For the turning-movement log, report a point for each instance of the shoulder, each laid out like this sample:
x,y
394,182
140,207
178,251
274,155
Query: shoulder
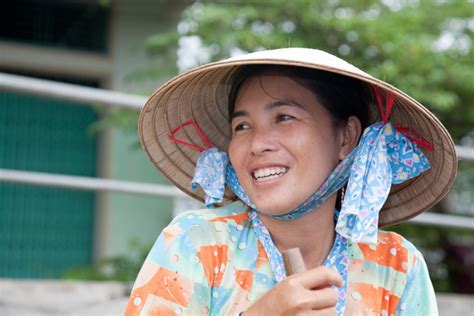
x,y
391,251
380,274
231,214
189,257
234,210
196,228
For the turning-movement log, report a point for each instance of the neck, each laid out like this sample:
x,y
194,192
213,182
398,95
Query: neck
x,y
313,233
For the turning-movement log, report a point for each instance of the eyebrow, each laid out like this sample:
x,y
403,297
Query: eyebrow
x,y
238,114
286,102
269,106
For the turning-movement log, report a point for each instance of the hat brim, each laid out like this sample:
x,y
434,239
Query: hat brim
x,y
202,95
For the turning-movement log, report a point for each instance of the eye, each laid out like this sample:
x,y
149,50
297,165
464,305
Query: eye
x,y
240,127
284,117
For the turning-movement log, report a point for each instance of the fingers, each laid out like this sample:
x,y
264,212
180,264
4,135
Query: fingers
x,y
322,299
325,312
301,293
313,290
319,277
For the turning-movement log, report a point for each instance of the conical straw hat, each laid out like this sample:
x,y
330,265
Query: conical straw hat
x,y
201,94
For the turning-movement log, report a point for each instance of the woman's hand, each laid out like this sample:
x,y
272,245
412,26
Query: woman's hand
x,y
305,293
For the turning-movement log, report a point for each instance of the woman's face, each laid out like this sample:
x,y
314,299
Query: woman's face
x,y
284,143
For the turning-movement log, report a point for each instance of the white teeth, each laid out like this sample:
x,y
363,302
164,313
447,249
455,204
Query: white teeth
x,y
269,173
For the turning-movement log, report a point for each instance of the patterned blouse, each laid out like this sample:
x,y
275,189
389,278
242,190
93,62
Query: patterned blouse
x,y
210,262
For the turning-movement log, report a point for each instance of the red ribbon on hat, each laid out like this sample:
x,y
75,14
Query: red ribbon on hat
x,y
409,133
200,133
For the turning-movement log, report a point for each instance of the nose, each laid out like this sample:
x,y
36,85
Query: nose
x,y
262,141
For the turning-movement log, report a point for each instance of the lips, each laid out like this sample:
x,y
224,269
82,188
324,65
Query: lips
x,y
269,173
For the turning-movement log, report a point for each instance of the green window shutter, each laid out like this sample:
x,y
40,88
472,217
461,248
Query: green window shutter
x,y
78,25
45,231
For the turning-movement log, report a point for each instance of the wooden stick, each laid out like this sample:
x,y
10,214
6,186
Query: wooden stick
x,y
293,261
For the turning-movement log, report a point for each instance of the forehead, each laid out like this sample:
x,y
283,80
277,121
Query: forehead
x,y
273,84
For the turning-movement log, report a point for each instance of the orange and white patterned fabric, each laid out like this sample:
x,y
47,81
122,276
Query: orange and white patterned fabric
x,y
210,262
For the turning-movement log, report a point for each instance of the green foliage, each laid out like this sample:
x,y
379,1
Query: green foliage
x,y
462,189
104,3
124,119
422,47
117,268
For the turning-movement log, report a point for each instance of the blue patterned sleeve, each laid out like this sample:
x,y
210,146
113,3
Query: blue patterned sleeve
x,y
418,297
171,280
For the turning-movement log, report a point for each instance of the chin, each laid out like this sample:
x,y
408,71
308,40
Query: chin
x,y
274,207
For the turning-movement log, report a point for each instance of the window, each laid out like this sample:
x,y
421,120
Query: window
x,y
67,24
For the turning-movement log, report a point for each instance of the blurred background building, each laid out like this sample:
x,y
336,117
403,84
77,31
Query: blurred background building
x,y
46,231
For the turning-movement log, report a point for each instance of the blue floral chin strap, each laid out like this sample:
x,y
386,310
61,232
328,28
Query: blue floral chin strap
x,y
385,156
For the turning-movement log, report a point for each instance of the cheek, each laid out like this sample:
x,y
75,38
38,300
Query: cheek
x,y
315,150
234,154
237,158
304,143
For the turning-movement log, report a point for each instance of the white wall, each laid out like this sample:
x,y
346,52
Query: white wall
x,y
122,218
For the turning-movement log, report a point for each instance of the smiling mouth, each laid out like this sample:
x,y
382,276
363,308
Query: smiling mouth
x,y
266,174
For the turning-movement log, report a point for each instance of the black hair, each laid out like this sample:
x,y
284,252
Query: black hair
x,y
340,95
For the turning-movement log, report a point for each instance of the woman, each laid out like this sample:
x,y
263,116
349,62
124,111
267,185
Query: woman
x,y
279,134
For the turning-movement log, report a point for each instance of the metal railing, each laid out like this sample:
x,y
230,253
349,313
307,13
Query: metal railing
x,y
107,185
88,96
69,92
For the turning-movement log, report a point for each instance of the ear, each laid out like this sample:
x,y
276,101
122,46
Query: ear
x,y
350,136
